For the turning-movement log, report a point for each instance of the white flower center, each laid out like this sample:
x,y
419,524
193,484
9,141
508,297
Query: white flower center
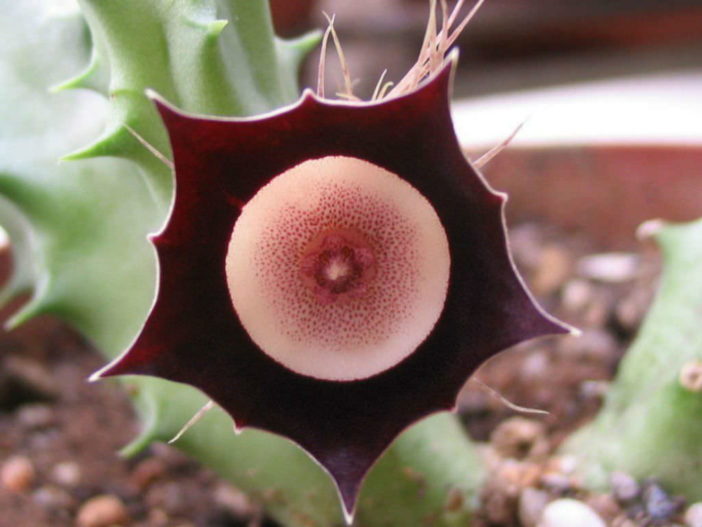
x,y
338,269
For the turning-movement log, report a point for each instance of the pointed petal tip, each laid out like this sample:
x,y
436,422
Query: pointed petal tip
x,y
503,197
554,326
162,105
348,515
101,374
448,68
572,331
95,376
451,60
348,499
112,369
542,324
309,96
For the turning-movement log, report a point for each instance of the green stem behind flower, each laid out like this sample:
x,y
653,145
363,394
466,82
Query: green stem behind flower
x,y
651,422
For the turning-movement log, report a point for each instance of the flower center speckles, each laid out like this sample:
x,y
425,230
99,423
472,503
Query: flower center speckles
x,y
338,269
338,264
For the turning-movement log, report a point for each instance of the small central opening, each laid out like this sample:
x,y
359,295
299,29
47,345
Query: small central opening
x,y
339,267
337,263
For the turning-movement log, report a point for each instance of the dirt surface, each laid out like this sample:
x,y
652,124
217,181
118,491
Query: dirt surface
x,y
69,430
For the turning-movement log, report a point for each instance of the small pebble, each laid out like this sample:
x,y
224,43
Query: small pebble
x,y
170,496
52,498
234,501
659,506
576,295
630,310
513,475
569,513
535,366
594,389
605,506
693,515
568,464
35,416
147,471
592,344
44,440
565,464
499,507
624,487
66,473
598,310
531,505
552,271
519,438
17,474
610,267
106,510
157,518
526,242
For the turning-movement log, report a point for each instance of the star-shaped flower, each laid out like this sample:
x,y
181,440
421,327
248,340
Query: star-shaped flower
x,y
331,272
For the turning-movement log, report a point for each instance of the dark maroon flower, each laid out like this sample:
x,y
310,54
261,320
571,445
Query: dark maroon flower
x,y
364,279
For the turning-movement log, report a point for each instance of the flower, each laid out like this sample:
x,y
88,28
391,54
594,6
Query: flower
x,y
288,227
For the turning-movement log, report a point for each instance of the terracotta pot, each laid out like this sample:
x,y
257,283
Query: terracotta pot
x,y
605,191
291,16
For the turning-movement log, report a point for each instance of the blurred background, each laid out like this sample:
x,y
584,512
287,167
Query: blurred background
x,y
512,44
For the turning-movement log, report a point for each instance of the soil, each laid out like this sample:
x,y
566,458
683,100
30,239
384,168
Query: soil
x,y
46,405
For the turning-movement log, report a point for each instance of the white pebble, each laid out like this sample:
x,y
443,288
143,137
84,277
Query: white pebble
x,y
610,267
693,515
625,487
569,513
66,473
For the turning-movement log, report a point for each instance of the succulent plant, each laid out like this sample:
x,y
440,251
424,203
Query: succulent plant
x,y
650,425
409,239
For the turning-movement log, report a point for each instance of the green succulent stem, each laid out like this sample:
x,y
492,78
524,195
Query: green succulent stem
x,y
651,421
